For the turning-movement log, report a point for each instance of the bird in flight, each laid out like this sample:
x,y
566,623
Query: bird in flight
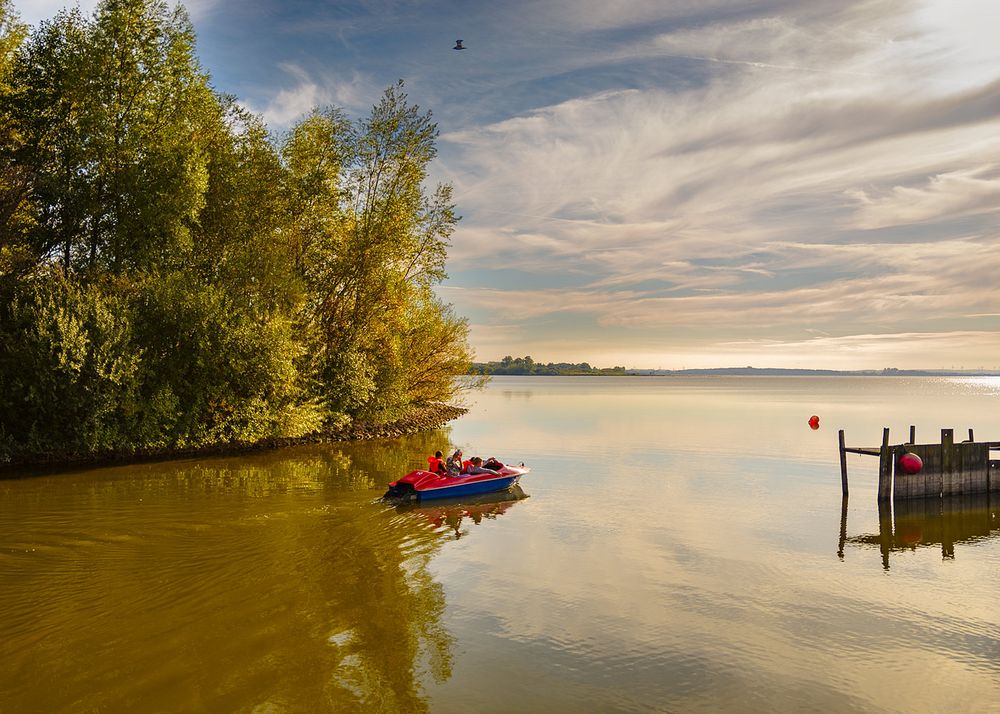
x,y
458,45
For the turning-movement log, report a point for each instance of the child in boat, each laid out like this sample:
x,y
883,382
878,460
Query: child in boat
x,y
436,464
454,467
478,468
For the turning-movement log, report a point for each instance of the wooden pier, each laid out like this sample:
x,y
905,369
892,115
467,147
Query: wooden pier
x,y
949,468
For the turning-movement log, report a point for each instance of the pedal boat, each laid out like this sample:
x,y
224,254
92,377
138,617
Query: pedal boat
x,y
427,485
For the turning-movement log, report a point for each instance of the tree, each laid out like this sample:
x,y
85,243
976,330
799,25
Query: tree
x,y
16,216
169,277
371,243
112,108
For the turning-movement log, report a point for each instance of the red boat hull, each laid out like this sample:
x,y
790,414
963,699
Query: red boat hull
x,y
426,485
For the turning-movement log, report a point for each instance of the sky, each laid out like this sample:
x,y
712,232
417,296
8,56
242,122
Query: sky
x,y
677,183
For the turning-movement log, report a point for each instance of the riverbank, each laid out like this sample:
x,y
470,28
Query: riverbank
x,y
423,418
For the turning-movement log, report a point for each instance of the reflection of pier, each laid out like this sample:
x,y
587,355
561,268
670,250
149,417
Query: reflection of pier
x,y
922,522
451,512
946,469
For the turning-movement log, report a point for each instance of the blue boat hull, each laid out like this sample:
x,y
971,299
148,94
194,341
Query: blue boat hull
x,y
469,489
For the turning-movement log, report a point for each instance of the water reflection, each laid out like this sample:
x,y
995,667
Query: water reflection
x,y
906,525
270,581
448,514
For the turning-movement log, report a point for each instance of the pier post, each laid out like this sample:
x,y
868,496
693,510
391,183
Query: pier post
x,y
885,538
843,527
843,463
913,434
948,475
885,457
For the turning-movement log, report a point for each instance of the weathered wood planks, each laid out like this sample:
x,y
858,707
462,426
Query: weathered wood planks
x,y
949,468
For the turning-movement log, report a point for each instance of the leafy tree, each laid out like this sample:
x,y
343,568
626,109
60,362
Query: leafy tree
x,y
371,242
15,179
111,110
170,277
68,369
229,375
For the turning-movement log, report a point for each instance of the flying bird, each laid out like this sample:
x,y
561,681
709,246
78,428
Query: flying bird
x,y
458,45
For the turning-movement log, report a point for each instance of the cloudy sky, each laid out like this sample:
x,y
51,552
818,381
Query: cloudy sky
x,y
678,183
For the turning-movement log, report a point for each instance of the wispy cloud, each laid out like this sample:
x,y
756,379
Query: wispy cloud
x,y
816,181
942,197
308,92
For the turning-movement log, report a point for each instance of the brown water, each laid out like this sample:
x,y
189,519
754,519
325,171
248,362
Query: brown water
x,y
683,548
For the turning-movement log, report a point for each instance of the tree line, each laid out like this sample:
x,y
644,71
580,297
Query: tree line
x,y
172,275
526,365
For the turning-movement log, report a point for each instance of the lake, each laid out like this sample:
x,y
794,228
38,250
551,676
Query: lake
x,y
681,546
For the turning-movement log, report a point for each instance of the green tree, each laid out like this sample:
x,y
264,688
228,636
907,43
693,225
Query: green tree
x,y
371,243
16,216
111,109
69,369
169,277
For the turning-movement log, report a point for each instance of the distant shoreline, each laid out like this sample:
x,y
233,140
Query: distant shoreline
x,y
766,372
527,367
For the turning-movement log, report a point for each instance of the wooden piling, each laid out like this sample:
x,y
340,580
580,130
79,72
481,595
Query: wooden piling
x,y
843,526
913,434
971,437
885,457
948,471
843,463
885,530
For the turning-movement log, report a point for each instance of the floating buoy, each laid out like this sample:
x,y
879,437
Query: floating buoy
x,y
814,422
911,463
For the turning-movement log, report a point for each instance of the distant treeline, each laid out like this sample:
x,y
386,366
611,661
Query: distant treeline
x,y
526,365
173,276
786,372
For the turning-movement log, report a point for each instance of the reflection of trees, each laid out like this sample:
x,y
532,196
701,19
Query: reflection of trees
x,y
272,581
922,522
386,610
379,609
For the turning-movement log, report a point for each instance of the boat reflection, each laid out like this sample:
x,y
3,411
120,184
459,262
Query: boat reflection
x,y
925,522
450,513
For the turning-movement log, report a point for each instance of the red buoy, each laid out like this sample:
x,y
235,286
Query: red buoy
x,y
814,422
911,463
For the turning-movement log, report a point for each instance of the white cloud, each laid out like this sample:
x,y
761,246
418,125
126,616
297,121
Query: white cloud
x,y
200,9
34,11
943,196
307,93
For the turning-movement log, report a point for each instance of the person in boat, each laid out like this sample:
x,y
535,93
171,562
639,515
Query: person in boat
x,y
454,466
435,464
478,468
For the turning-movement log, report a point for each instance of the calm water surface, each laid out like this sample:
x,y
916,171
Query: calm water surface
x,y
682,547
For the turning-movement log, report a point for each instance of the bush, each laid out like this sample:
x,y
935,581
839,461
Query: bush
x,y
70,368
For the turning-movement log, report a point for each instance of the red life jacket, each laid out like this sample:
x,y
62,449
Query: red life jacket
x,y
436,465
466,465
